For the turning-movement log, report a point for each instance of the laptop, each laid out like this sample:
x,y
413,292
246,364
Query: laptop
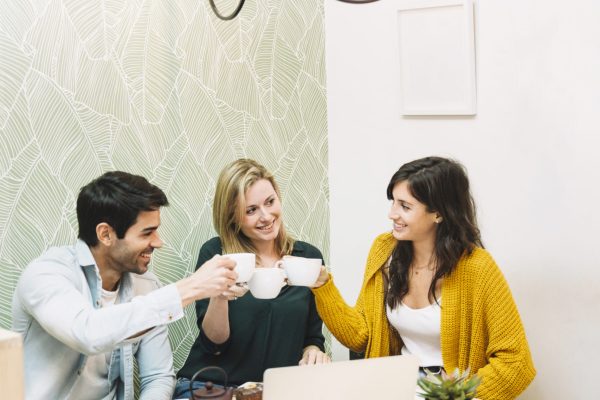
x,y
393,377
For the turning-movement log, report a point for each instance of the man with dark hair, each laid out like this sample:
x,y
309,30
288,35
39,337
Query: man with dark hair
x,y
86,311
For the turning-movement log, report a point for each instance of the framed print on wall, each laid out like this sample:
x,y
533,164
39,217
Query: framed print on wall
x,y
437,57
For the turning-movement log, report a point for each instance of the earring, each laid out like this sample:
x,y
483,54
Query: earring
x,y
438,220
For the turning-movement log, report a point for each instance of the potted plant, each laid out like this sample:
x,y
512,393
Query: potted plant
x,y
456,386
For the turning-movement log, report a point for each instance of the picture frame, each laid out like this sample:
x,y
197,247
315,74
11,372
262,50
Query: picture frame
x,y
436,41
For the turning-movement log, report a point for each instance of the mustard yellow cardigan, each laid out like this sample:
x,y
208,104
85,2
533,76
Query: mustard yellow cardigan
x,y
480,324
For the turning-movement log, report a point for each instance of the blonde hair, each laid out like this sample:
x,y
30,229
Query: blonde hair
x,y
229,207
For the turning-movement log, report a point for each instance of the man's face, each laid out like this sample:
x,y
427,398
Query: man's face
x,y
133,252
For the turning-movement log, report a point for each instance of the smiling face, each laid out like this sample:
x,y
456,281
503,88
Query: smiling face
x,y
262,218
133,252
411,219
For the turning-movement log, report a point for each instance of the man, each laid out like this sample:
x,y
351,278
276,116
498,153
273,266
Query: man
x,y
85,311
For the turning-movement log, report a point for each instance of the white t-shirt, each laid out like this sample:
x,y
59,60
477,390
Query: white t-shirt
x,y
93,381
420,331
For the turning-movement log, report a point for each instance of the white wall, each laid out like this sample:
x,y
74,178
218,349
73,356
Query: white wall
x,y
531,152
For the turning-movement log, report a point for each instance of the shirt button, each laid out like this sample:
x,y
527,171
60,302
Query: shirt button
x,y
217,353
170,317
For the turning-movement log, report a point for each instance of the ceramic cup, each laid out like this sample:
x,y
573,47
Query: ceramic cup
x,y
245,265
301,271
266,283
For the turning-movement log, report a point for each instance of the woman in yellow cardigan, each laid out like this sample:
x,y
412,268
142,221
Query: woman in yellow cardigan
x,y
430,289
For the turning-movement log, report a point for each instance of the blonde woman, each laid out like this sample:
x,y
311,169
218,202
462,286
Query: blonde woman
x,y
239,333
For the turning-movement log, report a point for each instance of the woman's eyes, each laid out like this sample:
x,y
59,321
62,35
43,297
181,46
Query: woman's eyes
x,y
252,210
403,205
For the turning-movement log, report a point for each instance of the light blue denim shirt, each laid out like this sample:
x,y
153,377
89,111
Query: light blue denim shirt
x,y
57,309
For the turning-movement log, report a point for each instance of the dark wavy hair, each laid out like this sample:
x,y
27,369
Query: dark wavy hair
x,y
115,198
442,186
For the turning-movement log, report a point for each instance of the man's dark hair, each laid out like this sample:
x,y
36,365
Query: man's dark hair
x,y
115,198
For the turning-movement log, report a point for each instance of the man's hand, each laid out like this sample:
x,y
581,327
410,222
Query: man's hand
x,y
210,280
314,355
323,277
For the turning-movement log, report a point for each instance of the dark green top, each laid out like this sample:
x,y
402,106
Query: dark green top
x,y
263,333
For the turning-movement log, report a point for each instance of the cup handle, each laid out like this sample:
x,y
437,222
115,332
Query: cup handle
x,y
279,264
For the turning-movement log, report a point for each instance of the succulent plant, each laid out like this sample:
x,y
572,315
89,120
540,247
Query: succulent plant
x,y
456,386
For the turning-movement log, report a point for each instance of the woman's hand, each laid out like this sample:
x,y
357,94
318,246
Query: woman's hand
x,y
323,277
234,291
313,355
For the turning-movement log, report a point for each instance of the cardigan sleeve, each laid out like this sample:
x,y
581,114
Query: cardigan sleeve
x,y
509,369
352,325
347,324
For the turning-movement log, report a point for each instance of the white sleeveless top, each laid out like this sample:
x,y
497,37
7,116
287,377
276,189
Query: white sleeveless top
x,y
420,331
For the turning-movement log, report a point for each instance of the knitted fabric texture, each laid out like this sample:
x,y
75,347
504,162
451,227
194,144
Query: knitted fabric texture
x,y
480,325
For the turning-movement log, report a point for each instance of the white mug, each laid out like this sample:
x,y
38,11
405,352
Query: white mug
x,y
266,283
301,271
245,265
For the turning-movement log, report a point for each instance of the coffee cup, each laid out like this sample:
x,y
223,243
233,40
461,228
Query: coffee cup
x,y
266,283
301,271
245,265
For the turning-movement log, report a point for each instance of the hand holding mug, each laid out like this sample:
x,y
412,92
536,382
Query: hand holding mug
x,y
216,275
235,291
323,277
245,264
213,278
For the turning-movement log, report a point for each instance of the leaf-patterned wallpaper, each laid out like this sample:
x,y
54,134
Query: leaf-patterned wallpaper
x,y
166,90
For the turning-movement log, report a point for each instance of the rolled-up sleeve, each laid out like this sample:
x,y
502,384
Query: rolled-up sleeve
x,y
48,293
